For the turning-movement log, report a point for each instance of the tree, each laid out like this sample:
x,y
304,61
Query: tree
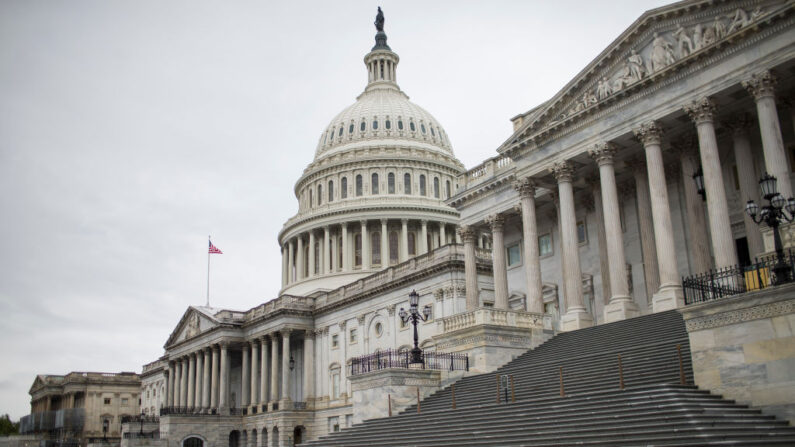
x,y
7,427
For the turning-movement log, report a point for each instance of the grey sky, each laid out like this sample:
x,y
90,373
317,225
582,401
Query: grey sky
x,y
129,131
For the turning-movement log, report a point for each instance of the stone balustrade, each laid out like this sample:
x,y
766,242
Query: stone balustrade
x,y
484,171
490,316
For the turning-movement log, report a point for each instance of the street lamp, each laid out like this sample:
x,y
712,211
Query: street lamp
x,y
779,210
141,433
698,177
292,363
415,317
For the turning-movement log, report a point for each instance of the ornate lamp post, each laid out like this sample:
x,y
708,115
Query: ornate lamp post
x,y
415,317
141,433
772,215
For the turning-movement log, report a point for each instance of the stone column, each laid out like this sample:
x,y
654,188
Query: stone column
x,y
309,366
384,245
702,112
651,272
285,364
467,235
215,392
604,266
325,251
254,370
274,368
404,240
299,258
244,378
532,264
223,380
172,366
335,255
311,254
496,222
424,238
669,295
263,372
762,87
686,149
748,179
620,306
290,262
442,234
366,252
576,317
284,266
183,387
207,367
346,255
197,395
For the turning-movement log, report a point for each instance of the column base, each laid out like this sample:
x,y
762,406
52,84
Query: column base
x,y
621,308
668,297
575,319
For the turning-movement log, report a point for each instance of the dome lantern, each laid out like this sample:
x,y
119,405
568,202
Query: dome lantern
x,y
381,61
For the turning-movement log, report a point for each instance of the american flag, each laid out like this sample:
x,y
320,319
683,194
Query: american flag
x,y
214,250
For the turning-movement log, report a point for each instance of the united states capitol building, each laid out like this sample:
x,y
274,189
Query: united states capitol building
x,y
588,213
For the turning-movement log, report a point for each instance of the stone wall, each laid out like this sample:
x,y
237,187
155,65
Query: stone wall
x,y
373,391
744,348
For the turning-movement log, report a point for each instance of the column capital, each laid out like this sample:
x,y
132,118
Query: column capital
x,y
563,171
761,85
738,123
404,221
263,339
466,233
424,222
496,221
326,229
344,225
363,222
384,221
649,133
253,343
526,187
701,110
603,152
285,332
390,309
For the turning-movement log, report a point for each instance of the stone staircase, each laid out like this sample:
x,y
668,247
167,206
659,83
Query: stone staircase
x,y
653,408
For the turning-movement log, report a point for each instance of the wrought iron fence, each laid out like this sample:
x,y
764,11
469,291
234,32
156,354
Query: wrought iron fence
x,y
138,418
402,359
183,411
145,435
734,280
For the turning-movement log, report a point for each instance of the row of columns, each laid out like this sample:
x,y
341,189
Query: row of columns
x,y
653,210
294,265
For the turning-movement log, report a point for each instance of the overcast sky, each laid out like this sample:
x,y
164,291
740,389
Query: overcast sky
x,y
129,131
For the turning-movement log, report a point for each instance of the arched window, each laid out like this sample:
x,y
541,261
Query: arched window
x,y
400,124
334,375
407,183
422,126
375,247
393,247
331,135
447,190
358,185
350,129
423,189
363,126
341,128
319,194
388,124
432,132
357,250
390,183
331,190
375,124
412,244
436,187
344,188
374,184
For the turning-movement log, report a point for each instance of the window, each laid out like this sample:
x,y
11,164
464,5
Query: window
x,y
358,185
412,244
388,124
319,194
379,329
362,126
436,187
514,255
335,384
447,190
545,244
353,336
335,341
411,126
331,135
375,247
400,124
330,191
393,247
432,132
375,124
390,183
406,183
350,129
422,185
422,126
374,184
344,188
582,232
334,424
340,134
125,401
357,250
107,401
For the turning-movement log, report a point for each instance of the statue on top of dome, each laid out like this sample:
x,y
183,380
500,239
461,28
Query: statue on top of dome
x,y
379,20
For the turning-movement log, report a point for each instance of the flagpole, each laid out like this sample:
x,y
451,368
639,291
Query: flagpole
x,y
208,272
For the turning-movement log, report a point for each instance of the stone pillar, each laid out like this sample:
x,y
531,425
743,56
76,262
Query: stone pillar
x,y
442,234
384,245
762,87
244,378
324,252
291,263
215,392
223,379
702,112
366,252
532,263
467,235
207,367
172,366
651,272
274,368
183,386
576,317
604,266
197,395
748,179
254,370
424,238
299,258
285,364
263,372
404,240
346,255
309,366
284,266
620,306
311,254
496,222
669,295
335,255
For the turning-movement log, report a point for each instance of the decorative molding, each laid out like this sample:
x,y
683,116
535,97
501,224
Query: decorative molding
x,y
741,315
761,85
526,187
603,152
649,133
563,171
701,110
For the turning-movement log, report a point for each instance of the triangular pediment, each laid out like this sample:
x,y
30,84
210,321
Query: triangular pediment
x,y
656,45
194,321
